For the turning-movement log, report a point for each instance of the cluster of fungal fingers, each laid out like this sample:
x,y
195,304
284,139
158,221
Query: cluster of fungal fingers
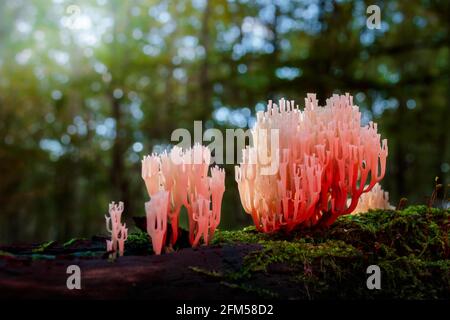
x,y
180,178
117,229
376,198
309,166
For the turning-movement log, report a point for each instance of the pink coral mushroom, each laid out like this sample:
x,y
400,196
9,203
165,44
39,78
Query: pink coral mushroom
x,y
118,231
325,160
156,210
184,176
376,198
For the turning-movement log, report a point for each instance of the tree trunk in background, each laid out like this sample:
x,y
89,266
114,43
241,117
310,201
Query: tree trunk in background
x,y
442,143
322,62
273,58
119,183
205,85
399,151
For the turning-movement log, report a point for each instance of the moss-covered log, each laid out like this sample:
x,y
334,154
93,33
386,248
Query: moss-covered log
x,y
410,246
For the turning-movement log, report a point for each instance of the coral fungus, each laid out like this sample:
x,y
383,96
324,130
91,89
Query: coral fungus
x,y
118,231
376,198
324,157
184,176
156,210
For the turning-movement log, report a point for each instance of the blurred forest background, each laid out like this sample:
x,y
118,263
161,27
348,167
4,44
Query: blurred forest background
x,y
88,87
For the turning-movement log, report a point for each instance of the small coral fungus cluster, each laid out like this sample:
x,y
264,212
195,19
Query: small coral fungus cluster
x,y
376,198
180,178
118,231
325,160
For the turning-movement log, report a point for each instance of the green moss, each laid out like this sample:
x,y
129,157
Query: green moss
x,y
213,273
409,277
411,247
72,241
416,230
138,243
44,246
296,254
246,235
138,238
